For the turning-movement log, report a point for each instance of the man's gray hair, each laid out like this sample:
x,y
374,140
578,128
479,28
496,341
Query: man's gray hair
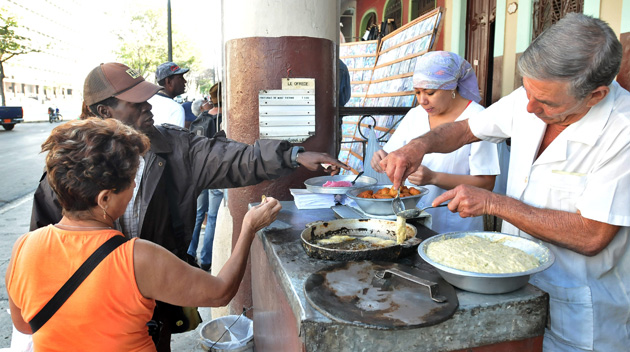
x,y
195,107
578,49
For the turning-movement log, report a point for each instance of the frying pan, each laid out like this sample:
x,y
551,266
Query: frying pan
x,y
357,228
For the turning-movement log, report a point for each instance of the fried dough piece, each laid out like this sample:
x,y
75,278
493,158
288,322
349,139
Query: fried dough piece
x,y
378,241
383,191
335,239
414,191
401,229
366,194
382,196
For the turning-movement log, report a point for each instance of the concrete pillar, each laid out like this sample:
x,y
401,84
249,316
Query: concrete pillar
x,y
265,41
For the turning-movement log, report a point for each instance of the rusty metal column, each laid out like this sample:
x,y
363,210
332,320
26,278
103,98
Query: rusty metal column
x,y
266,41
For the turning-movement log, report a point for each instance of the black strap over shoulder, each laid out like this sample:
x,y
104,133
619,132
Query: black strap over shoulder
x,y
74,281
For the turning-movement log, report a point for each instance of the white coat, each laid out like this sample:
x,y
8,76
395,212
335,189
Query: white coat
x,y
586,168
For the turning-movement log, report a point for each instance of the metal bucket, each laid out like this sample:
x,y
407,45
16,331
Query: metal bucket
x,y
230,333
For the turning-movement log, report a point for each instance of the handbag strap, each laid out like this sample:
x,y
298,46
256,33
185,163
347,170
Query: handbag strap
x,y
74,281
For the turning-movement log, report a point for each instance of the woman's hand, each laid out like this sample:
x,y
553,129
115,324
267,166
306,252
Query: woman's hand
x,y
376,160
261,215
423,176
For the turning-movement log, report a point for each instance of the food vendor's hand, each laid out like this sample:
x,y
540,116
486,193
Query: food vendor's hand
x,y
261,215
467,200
401,163
314,160
376,160
422,176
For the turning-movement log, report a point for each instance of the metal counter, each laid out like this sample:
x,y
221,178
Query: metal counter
x,y
285,321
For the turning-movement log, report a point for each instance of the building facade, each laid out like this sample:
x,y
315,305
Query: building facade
x,y
69,36
490,34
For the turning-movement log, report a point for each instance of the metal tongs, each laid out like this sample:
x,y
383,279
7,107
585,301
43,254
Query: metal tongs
x,y
399,208
432,286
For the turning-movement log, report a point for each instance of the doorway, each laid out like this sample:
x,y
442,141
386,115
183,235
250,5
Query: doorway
x,y
480,26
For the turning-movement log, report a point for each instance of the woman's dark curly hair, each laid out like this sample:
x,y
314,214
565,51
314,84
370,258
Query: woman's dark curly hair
x,y
88,156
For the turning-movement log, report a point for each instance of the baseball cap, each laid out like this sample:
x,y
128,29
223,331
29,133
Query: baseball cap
x,y
168,69
117,80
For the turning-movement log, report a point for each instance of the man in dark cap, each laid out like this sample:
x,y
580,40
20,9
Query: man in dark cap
x,y
176,169
165,109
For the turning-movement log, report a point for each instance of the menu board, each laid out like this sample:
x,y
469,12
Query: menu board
x,y
390,83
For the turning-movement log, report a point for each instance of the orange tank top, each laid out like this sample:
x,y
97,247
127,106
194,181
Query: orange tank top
x,y
107,312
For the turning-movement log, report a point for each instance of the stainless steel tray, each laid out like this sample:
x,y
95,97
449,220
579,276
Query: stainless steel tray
x,y
315,184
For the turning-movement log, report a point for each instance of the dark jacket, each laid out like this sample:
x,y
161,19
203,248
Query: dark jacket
x,y
195,163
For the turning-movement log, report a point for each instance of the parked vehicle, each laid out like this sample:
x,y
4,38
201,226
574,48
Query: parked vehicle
x,y
10,115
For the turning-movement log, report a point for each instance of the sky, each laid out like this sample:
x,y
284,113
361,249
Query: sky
x,y
197,20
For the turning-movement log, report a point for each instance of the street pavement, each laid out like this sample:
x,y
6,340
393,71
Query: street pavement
x,y
14,222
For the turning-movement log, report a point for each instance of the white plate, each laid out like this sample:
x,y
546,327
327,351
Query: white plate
x,y
315,184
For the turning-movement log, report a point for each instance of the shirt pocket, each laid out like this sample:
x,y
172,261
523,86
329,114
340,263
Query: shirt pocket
x,y
565,188
570,313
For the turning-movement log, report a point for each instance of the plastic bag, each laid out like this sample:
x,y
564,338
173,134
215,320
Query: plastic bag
x,y
372,147
21,342
227,333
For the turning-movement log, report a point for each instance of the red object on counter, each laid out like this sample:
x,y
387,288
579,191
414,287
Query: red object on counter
x,y
337,184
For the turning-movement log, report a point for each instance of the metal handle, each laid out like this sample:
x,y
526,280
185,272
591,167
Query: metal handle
x,y
356,178
432,286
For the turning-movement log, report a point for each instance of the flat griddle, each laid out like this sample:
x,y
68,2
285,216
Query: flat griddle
x,y
349,293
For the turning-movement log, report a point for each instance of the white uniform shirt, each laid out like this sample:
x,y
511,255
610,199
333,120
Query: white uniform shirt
x,y
167,110
586,168
475,159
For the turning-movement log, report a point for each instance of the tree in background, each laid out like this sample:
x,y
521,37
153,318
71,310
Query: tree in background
x,y
11,45
143,46
204,80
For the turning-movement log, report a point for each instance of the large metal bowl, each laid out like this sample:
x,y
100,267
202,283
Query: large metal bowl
x,y
383,206
490,283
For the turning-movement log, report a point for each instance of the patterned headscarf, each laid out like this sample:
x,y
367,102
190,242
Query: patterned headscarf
x,y
446,70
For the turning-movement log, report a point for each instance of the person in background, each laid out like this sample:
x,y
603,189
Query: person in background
x,y
189,116
166,110
91,165
209,200
345,91
177,167
200,106
446,89
568,179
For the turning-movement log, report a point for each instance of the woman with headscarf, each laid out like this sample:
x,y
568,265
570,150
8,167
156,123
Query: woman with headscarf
x,y
91,166
446,90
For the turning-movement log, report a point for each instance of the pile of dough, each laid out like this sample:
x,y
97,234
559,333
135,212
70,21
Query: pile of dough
x,y
480,255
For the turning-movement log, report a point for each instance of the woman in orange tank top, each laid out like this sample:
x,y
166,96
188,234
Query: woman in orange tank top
x,y
91,165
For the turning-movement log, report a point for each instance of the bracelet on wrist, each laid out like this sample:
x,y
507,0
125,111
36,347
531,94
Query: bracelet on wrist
x,y
294,156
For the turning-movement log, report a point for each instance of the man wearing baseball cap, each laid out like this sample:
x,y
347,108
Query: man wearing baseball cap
x,y
166,110
176,169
